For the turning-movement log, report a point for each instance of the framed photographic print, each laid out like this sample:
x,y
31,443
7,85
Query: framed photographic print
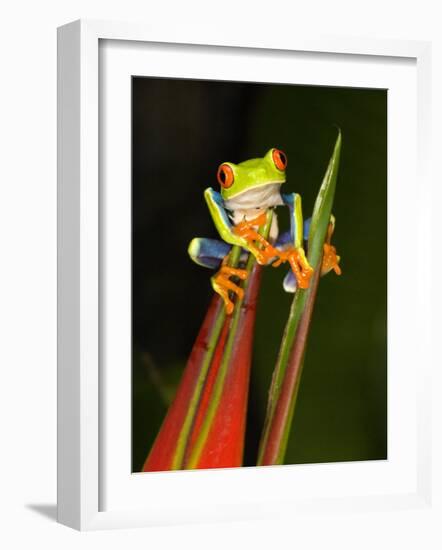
x,y
231,276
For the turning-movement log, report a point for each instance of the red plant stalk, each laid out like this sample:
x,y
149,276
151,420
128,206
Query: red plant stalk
x,y
162,452
214,436
224,445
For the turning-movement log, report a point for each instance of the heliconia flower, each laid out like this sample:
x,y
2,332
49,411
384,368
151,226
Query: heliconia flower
x,y
205,424
218,437
164,449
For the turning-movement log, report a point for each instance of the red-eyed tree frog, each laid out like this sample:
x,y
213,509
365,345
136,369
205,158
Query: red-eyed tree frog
x,y
248,190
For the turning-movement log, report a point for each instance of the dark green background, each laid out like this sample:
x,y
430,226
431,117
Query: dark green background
x,y
182,131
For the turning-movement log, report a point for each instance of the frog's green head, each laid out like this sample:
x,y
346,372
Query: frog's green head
x,y
237,179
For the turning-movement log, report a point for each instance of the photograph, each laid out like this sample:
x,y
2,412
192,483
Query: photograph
x,y
259,274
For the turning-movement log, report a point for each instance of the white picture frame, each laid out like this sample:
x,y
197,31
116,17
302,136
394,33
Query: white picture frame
x,y
80,317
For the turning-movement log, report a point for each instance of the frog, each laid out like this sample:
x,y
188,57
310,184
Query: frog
x,y
249,190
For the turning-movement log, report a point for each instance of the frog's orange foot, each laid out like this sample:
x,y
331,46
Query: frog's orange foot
x,y
297,259
222,284
330,260
302,270
256,243
246,228
264,255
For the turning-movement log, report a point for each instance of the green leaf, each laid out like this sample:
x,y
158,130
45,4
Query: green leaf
x,y
287,373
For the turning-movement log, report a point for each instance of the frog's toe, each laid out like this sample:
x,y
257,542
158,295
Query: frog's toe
x,y
330,260
289,284
222,284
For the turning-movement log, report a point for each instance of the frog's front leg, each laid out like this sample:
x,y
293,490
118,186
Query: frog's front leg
x,y
257,245
244,234
214,254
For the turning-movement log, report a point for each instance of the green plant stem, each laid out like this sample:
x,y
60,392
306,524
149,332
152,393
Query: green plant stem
x,y
286,377
284,390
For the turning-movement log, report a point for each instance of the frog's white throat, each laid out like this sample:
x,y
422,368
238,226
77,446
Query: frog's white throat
x,y
255,200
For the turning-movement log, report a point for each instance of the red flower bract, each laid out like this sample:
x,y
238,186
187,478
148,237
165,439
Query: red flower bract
x,y
205,424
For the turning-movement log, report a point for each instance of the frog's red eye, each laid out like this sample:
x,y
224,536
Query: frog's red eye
x,y
280,159
225,176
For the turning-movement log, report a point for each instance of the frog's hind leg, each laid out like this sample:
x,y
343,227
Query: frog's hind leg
x,y
214,254
285,241
330,259
208,252
289,283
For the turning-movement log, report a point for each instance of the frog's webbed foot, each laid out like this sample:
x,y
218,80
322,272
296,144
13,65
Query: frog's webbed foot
x,y
330,260
222,284
301,268
256,243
